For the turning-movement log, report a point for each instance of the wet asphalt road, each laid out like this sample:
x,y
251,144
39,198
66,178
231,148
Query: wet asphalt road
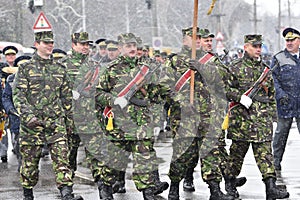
x,y
10,188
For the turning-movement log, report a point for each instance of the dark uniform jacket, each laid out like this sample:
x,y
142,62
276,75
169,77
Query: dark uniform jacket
x,y
287,84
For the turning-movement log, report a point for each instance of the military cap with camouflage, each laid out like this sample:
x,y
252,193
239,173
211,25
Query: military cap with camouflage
x,y
139,43
146,47
189,31
45,36
253,39
290,33
205,33
156,53
127,38
81,37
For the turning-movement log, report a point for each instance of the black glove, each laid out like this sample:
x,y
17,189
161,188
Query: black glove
x,y
193,64
283,101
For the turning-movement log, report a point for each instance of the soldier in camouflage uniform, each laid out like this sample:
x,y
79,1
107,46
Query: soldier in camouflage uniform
x,y
43,99
251,120
191,125
80,68
223,75
132,127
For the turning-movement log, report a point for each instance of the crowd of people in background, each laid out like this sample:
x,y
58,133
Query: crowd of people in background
x,y
110,95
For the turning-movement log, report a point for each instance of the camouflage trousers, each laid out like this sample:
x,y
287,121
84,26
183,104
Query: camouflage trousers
x,y
185,155
31,154
263,155
113,157
186,152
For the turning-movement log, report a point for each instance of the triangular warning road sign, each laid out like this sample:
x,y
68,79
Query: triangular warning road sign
x,y
42,24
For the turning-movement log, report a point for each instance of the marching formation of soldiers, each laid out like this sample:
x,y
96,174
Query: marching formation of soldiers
x,y
112,100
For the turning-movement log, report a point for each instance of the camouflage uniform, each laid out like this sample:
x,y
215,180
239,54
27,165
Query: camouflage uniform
x,y
253,125
132,126
43,98
80,69
196,127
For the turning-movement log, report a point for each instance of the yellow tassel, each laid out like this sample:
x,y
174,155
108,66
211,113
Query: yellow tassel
x,y
169,112
2,133
110,125
211,7
225,123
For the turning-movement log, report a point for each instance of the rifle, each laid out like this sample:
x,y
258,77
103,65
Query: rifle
x,y
251,92
136,84
88,81
126,95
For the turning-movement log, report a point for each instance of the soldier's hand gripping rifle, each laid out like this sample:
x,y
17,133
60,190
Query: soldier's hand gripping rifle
x,y
250,93
136,84
87,82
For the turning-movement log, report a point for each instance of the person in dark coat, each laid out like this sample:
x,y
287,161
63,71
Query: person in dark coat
x,y
286,65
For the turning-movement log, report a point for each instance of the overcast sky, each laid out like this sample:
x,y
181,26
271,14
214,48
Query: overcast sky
x,y
271,6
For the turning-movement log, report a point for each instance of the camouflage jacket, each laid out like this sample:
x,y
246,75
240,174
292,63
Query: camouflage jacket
x,y
134,122
43,90
187,120
256,123
81,71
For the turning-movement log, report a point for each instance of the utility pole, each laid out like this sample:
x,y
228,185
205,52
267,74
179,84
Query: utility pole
x,y
279,24
83,16
218,16
289,12
255,20
154,18
127,17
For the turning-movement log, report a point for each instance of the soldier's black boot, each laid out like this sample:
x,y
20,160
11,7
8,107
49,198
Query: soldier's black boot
x,y
119,186
273,192
106,192
230,186
159,185
99,184
188,183
240,181
216,193
28,194
174,191
67,193
148,194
